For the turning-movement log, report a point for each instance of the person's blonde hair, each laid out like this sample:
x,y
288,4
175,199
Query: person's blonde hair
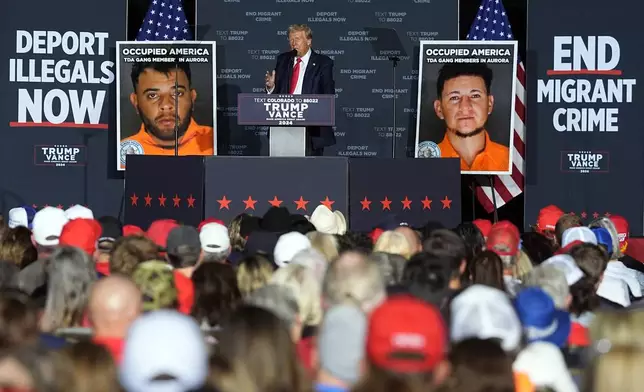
x,y
301,27
252,273
327,244
619,348
237,242
306,289
395,243
131,250
523,265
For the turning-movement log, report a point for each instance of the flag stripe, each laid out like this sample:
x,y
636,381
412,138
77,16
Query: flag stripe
x,y
491,23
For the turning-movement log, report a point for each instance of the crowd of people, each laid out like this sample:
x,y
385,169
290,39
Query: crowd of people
x,y
288,303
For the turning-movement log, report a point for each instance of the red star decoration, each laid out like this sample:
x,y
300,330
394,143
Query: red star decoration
x,y
176,200
328,203
275,202
406,203
60,206
223,203
386,204
607,215
34,205
584,215
135,199
427,203
148,200
595,215
301,204
250,203
366,204
191,201
162,200
447,203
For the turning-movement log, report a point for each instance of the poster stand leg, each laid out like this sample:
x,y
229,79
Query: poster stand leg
x,y
496,213
394,63
473,190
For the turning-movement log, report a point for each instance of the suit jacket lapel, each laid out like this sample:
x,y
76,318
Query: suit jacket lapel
x,y
307,87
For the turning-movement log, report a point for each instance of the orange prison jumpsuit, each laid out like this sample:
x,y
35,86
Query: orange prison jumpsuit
x,y
198,140
494,157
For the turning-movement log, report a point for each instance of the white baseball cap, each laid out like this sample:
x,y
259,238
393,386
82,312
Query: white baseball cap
x,y
567,265
214,237
288,245
581,233
19,216
79,212
47,225
164,342
486,313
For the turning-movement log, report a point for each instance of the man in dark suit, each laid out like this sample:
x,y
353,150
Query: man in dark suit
x,y
303,71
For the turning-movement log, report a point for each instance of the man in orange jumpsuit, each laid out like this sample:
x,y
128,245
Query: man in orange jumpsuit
x,y
154,101
464,102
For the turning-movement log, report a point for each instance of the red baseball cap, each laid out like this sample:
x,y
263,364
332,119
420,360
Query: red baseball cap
x,y
131,230
210,220
504,239
160,229
484,226
621,225
81,233
406,335
548,217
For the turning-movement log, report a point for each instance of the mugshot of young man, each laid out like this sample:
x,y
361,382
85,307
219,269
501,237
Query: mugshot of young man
x,y
153,99
464,102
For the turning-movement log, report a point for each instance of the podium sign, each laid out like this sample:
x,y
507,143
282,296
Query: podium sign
x,y
286,110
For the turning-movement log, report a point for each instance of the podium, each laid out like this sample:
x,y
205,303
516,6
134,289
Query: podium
x,y
287,116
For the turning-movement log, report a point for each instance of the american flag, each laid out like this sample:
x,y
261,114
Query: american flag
x,y
165,21
492,24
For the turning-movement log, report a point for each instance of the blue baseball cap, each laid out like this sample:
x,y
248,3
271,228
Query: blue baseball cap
x,y
540,319
604,238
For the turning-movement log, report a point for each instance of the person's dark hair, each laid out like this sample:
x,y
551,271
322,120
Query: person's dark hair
x,y
592,260
353,240
479,365
428,228
18,319
451,71
184,256
537,246
427,276
565,222
445,241
473,238
16,246
164,68
487,269
216,293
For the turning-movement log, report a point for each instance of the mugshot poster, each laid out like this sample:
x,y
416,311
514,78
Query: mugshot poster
x,y
466,95
158,84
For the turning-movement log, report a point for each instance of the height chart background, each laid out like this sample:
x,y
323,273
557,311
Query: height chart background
x,y
251,33
585,141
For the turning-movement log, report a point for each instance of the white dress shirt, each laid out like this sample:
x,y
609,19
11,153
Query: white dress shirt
x,y
300,77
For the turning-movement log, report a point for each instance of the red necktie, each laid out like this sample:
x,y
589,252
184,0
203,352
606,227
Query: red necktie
x,y
296,74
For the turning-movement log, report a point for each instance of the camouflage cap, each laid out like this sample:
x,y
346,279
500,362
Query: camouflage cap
x,y
155,279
